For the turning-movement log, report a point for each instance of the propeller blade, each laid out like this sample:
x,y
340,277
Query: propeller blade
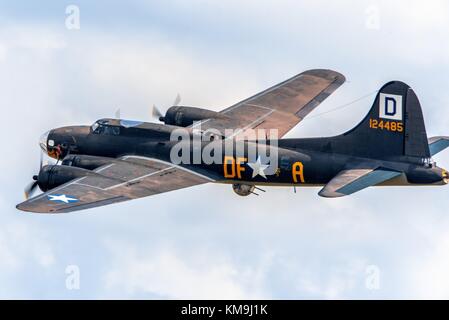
x,y
177,100
117,113
30,188
41,161
156,113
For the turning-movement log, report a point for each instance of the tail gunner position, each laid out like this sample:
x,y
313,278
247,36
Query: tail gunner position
x,y
116,160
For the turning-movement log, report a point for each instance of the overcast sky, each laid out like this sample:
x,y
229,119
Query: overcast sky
x,y
207,242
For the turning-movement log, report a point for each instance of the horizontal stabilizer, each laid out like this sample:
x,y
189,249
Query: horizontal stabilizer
x,y
353,180
438,144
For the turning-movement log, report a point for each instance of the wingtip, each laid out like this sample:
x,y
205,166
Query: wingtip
x,y
20,207
26,209
330,194
327,73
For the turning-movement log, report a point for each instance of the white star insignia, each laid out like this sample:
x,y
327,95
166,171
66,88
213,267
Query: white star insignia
x,y
62,198
258,168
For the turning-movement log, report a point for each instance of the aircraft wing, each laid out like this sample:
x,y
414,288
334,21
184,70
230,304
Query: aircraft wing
x,y
128,178
280,107
353,180
437,144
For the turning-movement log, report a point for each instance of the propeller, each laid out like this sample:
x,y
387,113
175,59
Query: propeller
x,y
117,113
31,187
157,114
177,100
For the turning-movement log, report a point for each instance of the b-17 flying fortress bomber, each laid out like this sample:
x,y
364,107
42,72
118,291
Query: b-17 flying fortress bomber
x,y
116,160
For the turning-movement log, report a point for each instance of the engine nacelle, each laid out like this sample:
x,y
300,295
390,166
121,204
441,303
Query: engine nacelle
x,y
85,162
53,176
243,190
186,116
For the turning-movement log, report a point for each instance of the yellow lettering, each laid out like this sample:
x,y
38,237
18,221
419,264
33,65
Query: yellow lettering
x,y
240,169
229,159
298,170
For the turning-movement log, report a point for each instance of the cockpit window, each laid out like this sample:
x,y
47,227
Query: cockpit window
x,y
112,130
99,128
95,126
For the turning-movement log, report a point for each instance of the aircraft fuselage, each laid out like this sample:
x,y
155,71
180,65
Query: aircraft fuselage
x,y
294,166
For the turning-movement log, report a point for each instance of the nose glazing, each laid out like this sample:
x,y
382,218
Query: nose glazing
x,y
43,141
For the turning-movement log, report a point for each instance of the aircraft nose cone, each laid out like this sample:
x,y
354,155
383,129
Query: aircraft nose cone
x,y
43,141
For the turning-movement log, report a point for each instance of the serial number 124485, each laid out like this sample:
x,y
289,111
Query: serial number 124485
x,y
386,125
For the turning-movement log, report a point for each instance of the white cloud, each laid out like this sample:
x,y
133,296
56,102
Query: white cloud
x,y
20,244
167,274
426,270
25,253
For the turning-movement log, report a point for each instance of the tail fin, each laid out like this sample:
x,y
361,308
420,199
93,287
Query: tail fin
x,y
393,127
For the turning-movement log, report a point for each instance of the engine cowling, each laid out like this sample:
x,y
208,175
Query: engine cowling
x,y
85,162
53,176
421,175
243,190
185,116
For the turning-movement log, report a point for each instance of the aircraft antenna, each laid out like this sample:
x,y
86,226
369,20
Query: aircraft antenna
x,y
343,105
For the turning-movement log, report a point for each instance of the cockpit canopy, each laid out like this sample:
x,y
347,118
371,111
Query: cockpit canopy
x,y
132,128
104,127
